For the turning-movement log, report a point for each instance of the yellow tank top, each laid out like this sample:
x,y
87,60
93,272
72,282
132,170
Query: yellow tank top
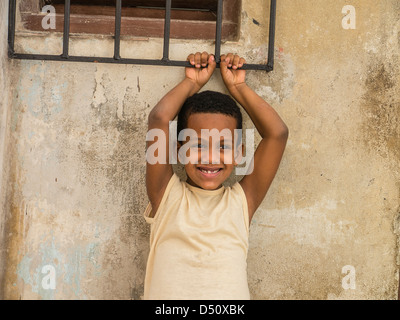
x,y
198,244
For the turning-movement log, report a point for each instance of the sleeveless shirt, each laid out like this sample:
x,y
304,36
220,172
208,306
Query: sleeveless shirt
x,y
198,244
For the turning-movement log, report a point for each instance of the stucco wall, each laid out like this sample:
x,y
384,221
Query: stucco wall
x,y
4,135
78,168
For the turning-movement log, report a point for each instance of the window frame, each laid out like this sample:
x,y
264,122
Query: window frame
x,y
165,61
103,24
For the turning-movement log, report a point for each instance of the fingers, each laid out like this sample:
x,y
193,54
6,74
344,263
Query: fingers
x,y
232,61
242,62
201,60
211,63
204,59
194,59
229,59
190,58
223,63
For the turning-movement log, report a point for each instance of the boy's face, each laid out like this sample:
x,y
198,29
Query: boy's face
x,y
211,152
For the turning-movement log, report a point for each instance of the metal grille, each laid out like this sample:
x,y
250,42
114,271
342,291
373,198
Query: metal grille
x,y
165,61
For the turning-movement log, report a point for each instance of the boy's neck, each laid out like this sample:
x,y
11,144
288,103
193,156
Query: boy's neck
x,y
189,181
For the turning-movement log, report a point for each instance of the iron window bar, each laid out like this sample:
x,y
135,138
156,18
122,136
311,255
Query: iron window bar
x,y
165,61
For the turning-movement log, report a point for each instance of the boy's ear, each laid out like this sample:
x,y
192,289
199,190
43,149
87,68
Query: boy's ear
x,y
238,154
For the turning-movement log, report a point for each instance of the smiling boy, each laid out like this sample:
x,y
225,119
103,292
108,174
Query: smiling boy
x,y
209,120
199,228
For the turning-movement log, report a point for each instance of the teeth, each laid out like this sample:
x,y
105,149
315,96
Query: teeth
x,y
209,171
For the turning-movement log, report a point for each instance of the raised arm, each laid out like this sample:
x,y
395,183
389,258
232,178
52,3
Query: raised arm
x,y
159,174
273,131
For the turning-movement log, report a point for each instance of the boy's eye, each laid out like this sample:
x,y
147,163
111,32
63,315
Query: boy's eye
x,y
198,146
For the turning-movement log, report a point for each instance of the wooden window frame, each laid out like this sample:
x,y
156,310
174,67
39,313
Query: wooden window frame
x,y
137,22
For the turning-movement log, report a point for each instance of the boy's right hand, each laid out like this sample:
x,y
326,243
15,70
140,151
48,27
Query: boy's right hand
x,y
204,66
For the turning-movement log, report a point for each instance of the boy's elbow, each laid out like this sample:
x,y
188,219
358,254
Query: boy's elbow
x,y
282,134
155,116
285,132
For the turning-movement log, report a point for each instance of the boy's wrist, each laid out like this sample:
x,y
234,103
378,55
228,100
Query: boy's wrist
x,y
237,88
194,87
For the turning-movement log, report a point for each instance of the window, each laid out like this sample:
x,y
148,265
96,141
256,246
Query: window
x,y
30,17
142,18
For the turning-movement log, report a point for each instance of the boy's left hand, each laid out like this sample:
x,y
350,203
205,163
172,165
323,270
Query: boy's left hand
x,y
231,74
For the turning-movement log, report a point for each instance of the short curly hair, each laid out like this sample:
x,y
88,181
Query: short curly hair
x,y
209,102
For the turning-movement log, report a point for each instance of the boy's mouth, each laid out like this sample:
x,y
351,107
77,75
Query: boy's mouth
x,y
209,172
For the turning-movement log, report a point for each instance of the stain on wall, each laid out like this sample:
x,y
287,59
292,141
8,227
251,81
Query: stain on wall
x,y
382,110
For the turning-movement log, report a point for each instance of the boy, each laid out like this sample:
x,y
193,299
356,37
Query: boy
x,y
199,229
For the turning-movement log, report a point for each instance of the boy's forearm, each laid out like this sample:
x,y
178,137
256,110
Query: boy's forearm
x,y
168,107
264,117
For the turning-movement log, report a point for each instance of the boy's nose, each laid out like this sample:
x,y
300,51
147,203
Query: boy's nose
x,y
210,155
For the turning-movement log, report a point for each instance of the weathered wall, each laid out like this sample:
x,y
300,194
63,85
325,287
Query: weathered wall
x,y
4,135
77,176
